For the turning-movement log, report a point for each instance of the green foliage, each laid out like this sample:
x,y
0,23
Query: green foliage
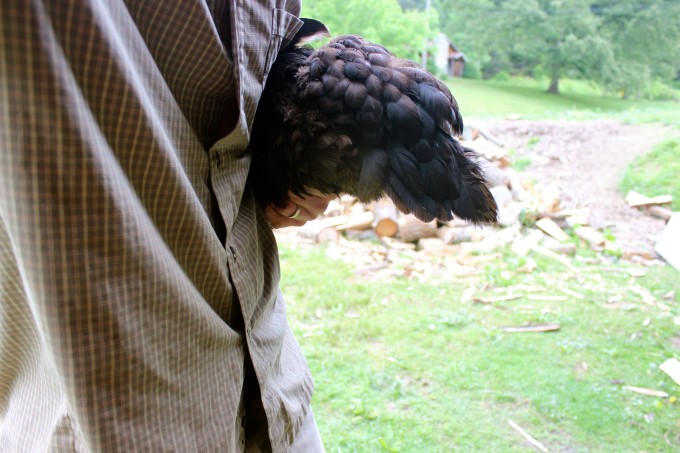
x,y
550,37
471,70
656,173
501,76
645,35
383,21
623,44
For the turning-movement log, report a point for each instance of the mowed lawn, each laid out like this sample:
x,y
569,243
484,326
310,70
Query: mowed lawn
x,y
407,366
403,365
488,99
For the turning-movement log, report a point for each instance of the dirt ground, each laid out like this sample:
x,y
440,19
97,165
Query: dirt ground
x,y
587,160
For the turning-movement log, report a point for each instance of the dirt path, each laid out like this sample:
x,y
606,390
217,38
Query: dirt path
x,y
587,160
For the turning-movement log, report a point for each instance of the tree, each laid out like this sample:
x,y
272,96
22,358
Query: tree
x,y
645,37
382,21
553,37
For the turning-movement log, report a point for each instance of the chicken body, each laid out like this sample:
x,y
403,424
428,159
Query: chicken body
x,y
352,118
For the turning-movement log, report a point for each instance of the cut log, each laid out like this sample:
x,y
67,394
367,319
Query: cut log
x,y
385,218
660,212
357,221
411,228
455,235
323,230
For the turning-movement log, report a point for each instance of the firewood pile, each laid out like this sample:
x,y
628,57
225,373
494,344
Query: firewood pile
x,y
531,219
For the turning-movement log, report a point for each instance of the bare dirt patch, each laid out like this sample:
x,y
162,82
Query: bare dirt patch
x,y
587,160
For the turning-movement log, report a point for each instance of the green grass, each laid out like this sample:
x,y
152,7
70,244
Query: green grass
x,y
656,173
403,366
484,99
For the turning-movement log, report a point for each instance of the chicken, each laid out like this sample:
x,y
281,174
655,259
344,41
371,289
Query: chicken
x,y
352,118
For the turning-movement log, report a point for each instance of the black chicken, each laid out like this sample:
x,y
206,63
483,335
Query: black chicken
x,y
352,118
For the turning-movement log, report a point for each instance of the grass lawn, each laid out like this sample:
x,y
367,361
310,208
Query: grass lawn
x,y
483,99
406,366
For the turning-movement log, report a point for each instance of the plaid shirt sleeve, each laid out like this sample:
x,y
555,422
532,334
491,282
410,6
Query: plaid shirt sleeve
x,y
116,295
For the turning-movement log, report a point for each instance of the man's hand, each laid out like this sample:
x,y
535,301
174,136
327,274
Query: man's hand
x,y
299,210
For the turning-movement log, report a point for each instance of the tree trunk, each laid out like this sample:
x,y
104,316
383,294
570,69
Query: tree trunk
x,y
554,85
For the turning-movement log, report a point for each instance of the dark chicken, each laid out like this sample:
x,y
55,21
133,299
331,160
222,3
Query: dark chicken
x,y
352,118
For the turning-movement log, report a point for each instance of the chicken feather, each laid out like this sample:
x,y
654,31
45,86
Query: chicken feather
x,y
352,118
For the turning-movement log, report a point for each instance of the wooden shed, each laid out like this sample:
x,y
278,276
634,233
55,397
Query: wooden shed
x,y
447,57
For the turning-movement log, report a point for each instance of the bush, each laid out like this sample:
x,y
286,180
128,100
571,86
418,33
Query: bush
x,y
501,76
659,91
471,71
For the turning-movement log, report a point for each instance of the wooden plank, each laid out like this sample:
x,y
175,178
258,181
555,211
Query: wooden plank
x,y
635,199
668,245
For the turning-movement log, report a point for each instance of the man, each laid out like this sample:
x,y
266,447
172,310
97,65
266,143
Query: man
x,y
139,300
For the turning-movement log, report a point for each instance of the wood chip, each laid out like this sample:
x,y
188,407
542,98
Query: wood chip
x,y
546,298
646,392
537,328
593,237
490,300
560,259
672,368
635,272
572,293
549,226
532,440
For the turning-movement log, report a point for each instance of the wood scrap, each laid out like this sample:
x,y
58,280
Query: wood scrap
x,y
593,237
546,298
645,391
668,245
532,440
635,199
672,368
548,226
560,259
572,293
532,328
491,300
